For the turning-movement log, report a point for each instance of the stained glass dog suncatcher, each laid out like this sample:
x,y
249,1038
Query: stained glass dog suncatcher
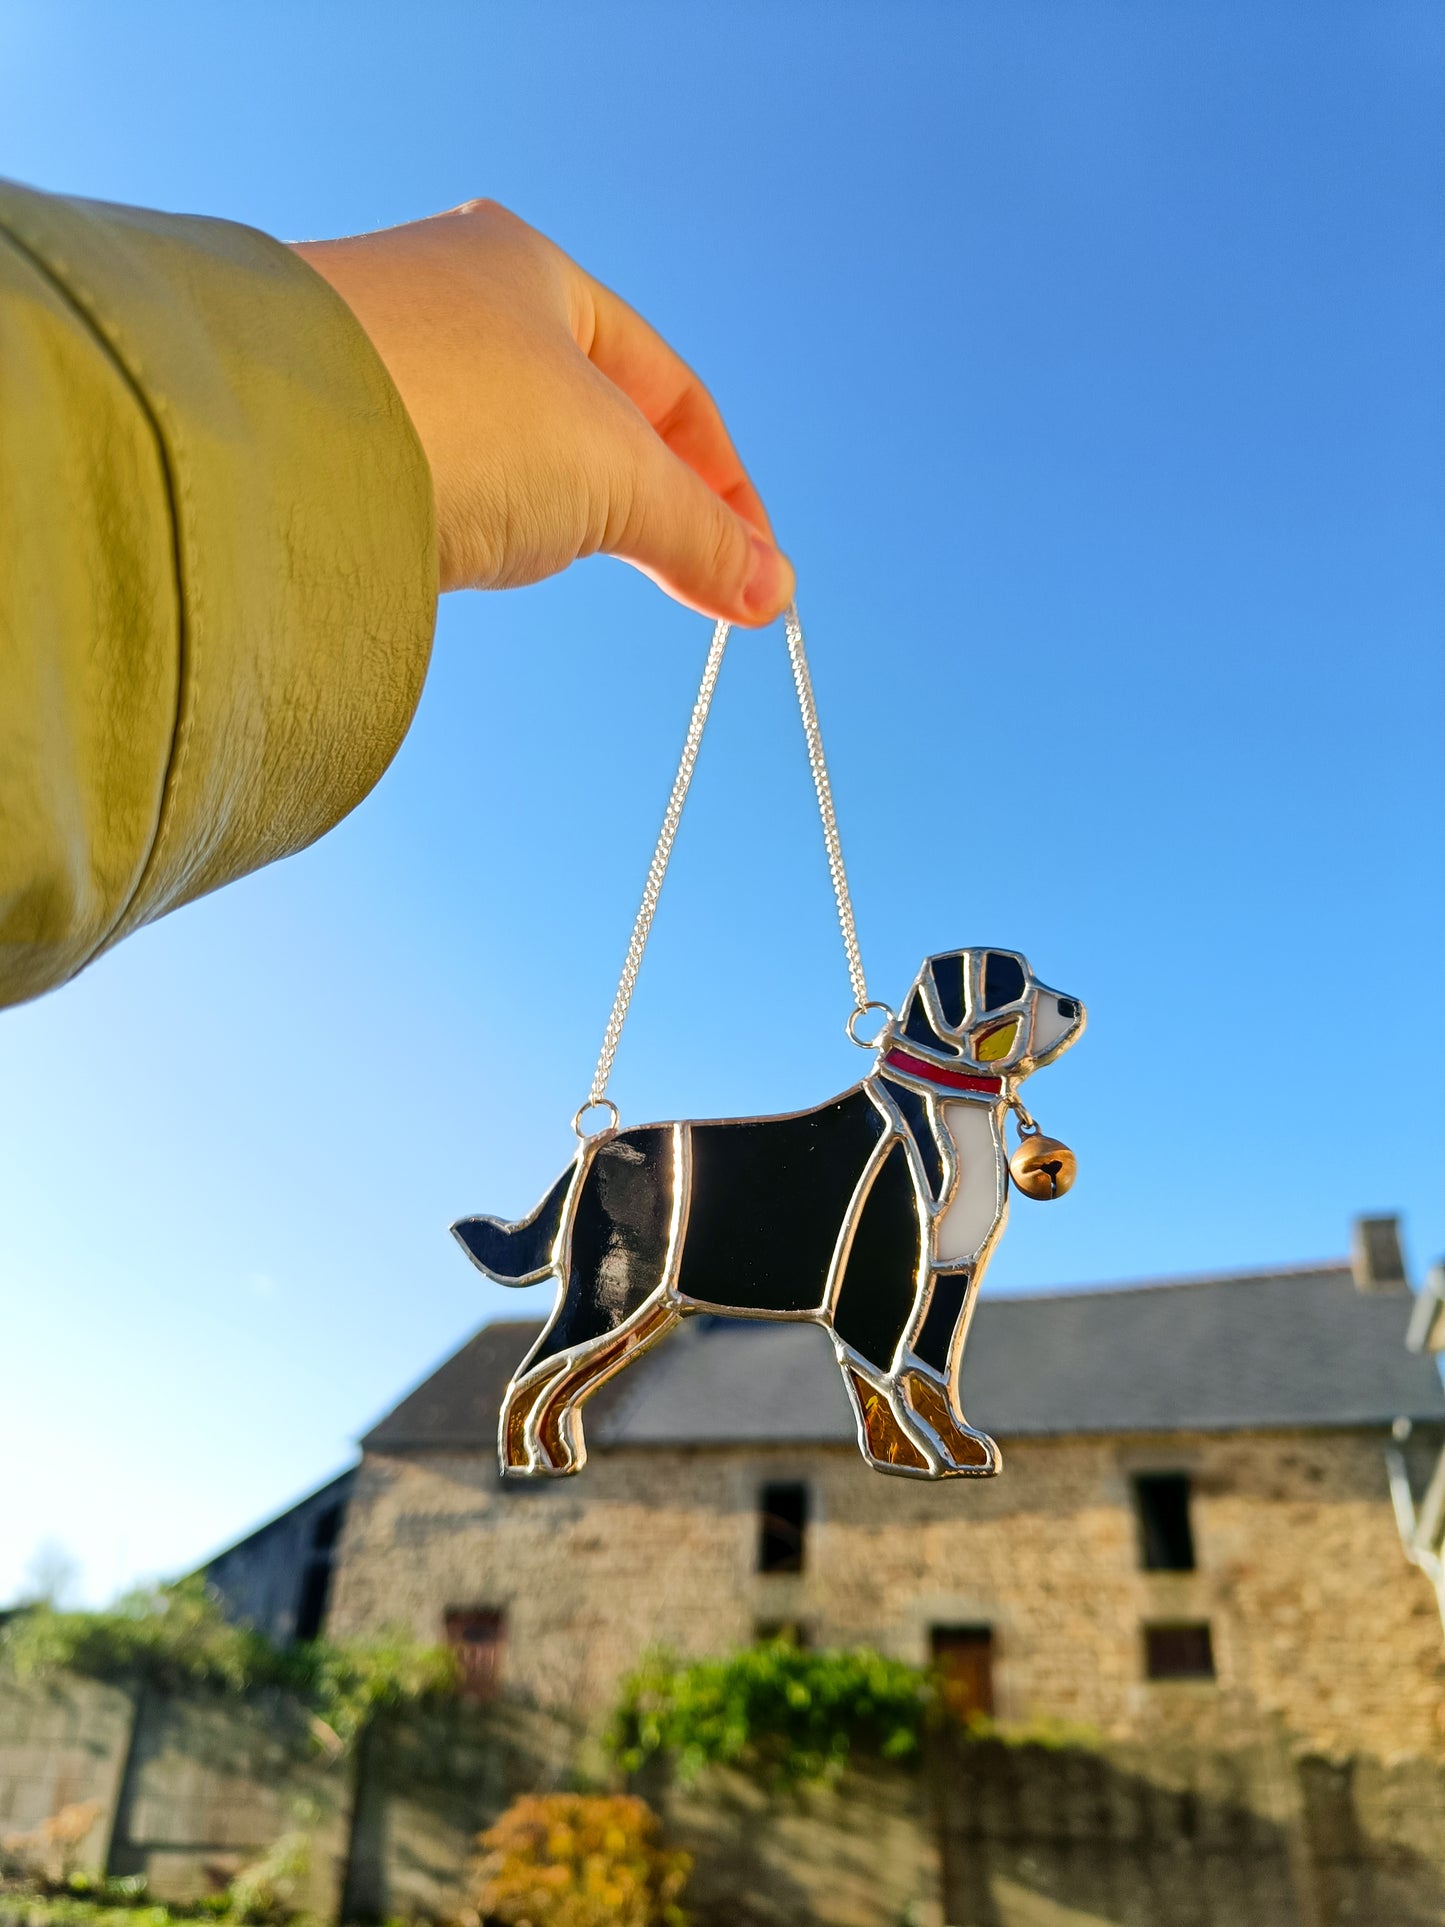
x,y
873,1215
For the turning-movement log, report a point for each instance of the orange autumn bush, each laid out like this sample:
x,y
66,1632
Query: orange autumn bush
x,y
577,1860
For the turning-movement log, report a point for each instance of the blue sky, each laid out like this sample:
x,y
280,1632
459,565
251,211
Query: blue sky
x,y
1089,360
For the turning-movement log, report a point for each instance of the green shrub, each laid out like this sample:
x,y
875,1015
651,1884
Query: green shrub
x,y
177,1637
262,1894
774,1710
265,1890
34,1910
578,1860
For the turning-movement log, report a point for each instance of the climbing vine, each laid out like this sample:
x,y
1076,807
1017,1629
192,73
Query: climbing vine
x,y
776,1710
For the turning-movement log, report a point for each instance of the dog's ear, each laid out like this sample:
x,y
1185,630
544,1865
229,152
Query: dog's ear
x,y
950,987
937,1006
918,1026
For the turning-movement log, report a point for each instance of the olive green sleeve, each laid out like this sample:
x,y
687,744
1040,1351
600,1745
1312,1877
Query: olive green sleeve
x,y
217,569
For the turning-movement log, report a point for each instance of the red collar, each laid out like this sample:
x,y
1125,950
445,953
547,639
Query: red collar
x,y
936,1074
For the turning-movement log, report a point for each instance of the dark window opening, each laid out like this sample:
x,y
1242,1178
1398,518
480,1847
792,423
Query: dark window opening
x,y
784,1528
1178,1652
963,1661
315,1595
1166,1540
327,1529
790,1632
477,1636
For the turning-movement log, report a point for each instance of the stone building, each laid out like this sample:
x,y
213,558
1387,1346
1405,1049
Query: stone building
x,y
1193,1532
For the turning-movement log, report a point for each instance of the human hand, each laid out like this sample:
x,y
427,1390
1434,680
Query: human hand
x,y
556,422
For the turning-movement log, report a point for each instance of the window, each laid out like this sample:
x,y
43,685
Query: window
x,y
963,1660
1178,1652
784,1526
1166,1541
328,1529
476,1636
315,1595
315,1591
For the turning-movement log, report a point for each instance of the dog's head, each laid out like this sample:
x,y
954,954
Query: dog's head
x,y
985,1013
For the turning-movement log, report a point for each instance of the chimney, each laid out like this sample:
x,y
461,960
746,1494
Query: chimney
x,y
1375,1255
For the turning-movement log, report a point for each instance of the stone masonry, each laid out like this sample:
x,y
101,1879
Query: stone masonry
x,y
1320,1628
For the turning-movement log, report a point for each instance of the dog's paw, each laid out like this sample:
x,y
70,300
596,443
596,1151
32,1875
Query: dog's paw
x,y
965,1453
555,1448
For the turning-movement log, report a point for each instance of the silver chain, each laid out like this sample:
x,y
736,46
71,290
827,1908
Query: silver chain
x,y
803,683
667,836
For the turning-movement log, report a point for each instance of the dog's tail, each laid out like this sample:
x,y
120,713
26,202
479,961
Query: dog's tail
x,y
520,1253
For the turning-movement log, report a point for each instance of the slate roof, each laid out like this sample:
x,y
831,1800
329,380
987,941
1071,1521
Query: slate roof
x,y
1281,1349
458,1405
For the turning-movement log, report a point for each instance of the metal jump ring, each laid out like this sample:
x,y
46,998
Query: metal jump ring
x,y
859,1010
1027,1125
594,1104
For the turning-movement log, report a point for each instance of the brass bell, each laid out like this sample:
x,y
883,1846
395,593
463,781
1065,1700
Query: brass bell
x,y
1041,1167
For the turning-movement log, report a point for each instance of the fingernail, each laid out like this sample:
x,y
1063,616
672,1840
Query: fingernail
x,y
769,578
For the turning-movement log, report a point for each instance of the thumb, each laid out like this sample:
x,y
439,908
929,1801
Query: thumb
x,y
692,543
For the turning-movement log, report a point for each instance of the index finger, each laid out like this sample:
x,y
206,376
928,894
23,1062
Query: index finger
x,y
621,345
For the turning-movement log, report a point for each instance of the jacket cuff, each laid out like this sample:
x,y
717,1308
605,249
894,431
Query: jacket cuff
x,y
305,542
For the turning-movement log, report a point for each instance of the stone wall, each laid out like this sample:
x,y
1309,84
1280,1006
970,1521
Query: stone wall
x,y
210,1781
187,1788
984,1835
861,1854
1319,1623
190,1787
426,1783
1175,1836
63,1744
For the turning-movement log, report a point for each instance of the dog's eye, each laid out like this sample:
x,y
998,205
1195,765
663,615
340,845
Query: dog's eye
x,y
1003,979
991,1045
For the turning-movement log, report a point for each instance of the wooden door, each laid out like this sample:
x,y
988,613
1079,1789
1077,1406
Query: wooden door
x,y
963,1658
476,1638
